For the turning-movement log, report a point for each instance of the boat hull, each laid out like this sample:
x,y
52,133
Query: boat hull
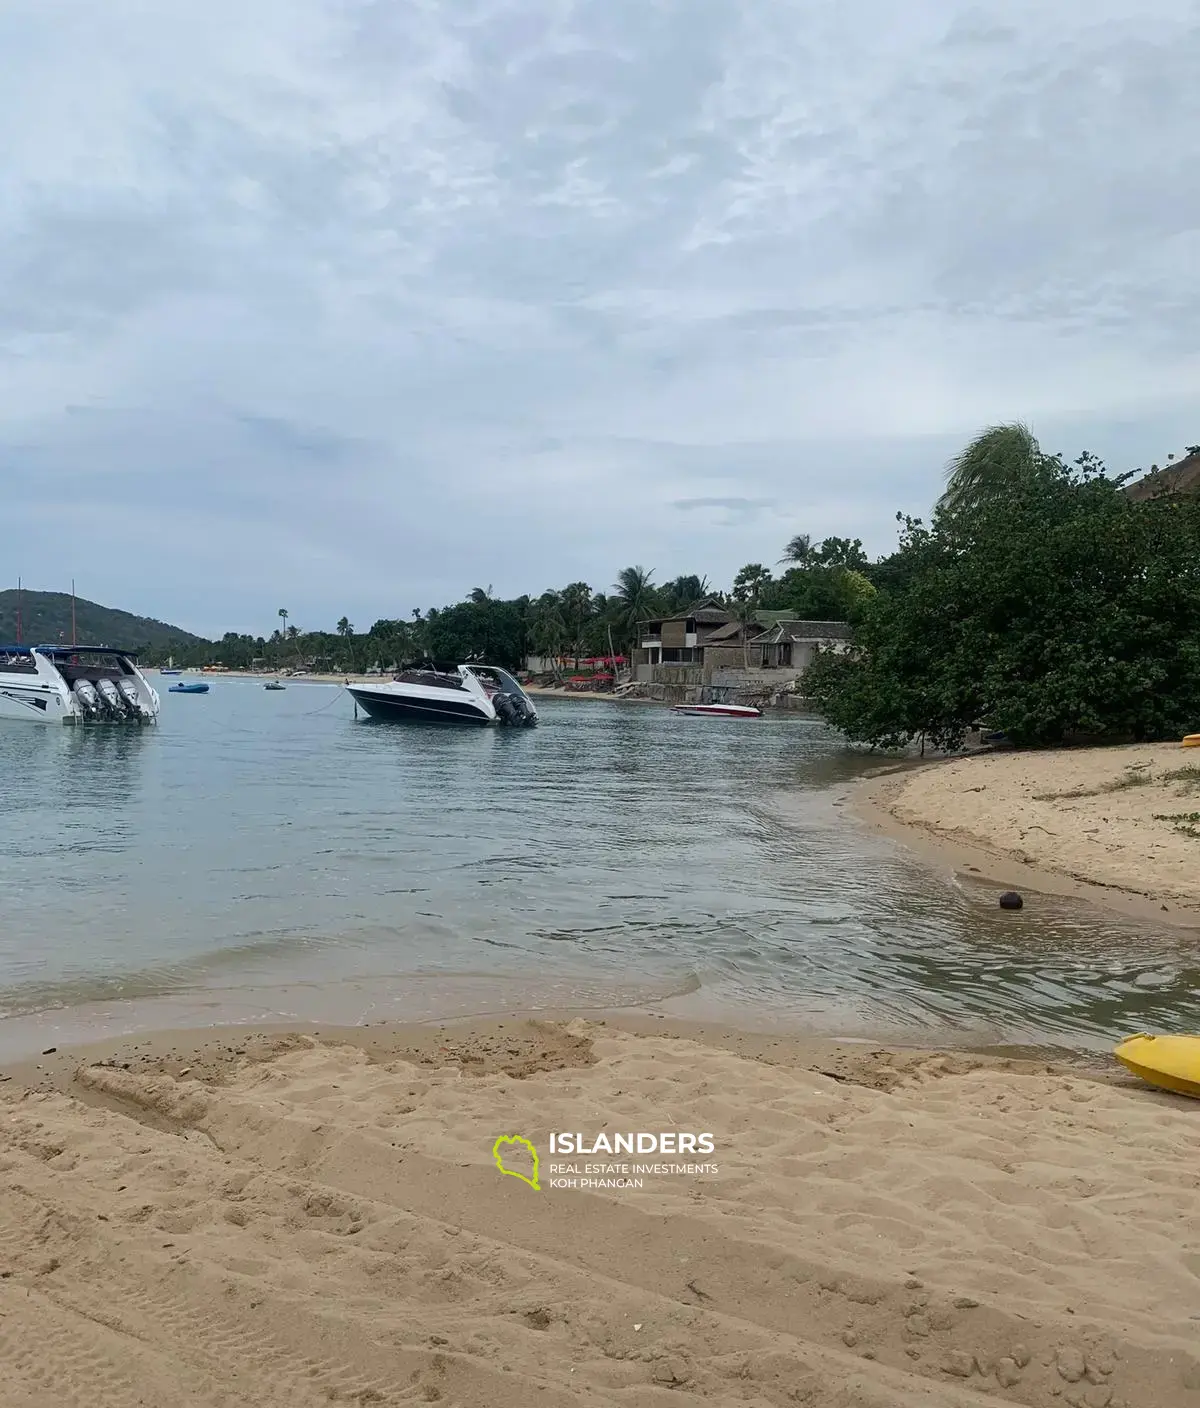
x,y
34,701
1169,1062
718,711
400,708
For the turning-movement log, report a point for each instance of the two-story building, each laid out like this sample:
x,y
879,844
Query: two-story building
x,y
708,647
680,640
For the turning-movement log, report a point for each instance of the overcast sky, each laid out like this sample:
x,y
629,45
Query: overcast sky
x,y
349,306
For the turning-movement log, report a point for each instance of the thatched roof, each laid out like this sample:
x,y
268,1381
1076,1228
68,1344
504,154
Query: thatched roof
x,y
1181,478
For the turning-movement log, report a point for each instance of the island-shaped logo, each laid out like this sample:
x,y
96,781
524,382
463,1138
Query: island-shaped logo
x,y
504,1143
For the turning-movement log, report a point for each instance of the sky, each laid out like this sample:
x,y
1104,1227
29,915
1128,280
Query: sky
x,y
349,306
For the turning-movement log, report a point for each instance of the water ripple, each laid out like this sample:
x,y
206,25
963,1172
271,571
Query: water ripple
x,y
260,838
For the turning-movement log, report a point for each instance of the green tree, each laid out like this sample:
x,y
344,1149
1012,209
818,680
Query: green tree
x,y
998,462
548,630
799,550
842,552
681,592
1058,609
750,582
576,606
344,628
635,594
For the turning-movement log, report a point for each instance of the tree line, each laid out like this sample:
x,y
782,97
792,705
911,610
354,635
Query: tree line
x,y
1040,601
820,581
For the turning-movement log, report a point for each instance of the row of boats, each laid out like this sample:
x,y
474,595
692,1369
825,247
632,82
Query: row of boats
x,y
90,684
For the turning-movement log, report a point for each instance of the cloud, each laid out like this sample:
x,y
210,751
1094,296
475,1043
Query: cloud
x,y
355,305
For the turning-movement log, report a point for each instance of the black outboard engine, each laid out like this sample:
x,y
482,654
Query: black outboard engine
x,y
526,714
506,708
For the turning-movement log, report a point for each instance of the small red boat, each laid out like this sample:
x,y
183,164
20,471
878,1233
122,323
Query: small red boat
x,y
724,711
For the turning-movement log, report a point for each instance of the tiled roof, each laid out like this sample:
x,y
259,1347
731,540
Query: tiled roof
x,y
798,631
1181,478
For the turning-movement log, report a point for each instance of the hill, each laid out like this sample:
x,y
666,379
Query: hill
x,y
46,618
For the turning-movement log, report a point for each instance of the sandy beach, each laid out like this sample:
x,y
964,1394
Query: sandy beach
x,y
1120,826
303,1219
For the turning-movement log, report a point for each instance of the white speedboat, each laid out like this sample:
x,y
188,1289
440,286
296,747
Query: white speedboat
x,y
457,694
720,711
74,684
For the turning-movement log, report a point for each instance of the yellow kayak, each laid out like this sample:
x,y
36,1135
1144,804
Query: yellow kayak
x,y
1170,1062
1191,740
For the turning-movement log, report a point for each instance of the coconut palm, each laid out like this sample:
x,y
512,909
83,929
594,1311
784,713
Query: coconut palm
x,y
576,610
635,594
799,550
548,630
998,461
344,628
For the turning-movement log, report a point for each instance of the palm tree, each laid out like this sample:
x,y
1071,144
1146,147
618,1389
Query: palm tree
x,y
547,627
995,463
750,582
635,594
344,628
799,550
577,608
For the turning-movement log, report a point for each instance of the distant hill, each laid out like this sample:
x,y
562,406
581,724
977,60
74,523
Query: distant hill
x,y
46,617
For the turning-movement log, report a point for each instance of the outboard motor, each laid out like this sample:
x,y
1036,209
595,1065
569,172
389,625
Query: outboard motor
x,y
87,698
506,708
526,713
113,703
131,699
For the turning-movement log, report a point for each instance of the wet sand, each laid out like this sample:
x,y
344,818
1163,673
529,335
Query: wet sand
x,y
312,1218
1116,826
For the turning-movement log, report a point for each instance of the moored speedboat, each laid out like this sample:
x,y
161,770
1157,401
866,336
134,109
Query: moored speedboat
x,y
274,684
458,694
189,687
725,711
74,684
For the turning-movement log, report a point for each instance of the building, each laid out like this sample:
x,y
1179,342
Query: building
x,y
707,648
680,640
1181,478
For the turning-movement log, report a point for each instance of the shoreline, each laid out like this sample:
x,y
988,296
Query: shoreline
x,y
285,1217
940,823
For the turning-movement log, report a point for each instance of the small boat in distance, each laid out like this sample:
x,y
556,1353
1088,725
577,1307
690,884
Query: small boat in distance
x,y
188,687
723,711
274,684
458,694
165,671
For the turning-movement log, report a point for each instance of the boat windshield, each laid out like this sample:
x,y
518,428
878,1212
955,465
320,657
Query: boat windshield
x,y
494,675
437,678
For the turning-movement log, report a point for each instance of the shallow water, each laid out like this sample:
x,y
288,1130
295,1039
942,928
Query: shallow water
x,y
267,843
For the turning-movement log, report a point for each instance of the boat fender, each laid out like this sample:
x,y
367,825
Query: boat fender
x,y
1011,900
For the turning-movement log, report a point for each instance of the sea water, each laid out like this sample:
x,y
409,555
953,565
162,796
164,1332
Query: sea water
x,y
268,856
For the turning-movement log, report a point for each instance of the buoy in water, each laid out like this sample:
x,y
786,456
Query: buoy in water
x,y
1011,900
